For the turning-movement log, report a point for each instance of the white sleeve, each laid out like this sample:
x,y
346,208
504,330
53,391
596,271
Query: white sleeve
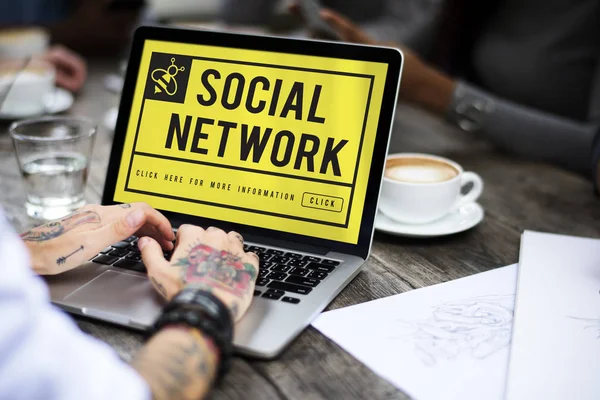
x,y
43,354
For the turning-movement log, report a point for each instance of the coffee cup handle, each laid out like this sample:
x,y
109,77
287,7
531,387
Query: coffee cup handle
x,y
474,193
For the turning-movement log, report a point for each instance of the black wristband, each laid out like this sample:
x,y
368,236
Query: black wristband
x,y
201,310
209,303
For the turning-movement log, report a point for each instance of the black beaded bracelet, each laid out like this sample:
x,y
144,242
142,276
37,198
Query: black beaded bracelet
x,y
201,310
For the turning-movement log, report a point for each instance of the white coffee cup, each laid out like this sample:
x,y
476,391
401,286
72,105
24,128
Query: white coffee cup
x,y
422,188
23,42
28,88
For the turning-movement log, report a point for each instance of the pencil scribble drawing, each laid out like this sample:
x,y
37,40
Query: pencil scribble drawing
x,y
474,327
590,323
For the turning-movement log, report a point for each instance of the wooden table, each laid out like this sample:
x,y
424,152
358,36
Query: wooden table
x,y
518,195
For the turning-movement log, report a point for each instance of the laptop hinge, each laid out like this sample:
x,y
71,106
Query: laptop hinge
x,y
302,247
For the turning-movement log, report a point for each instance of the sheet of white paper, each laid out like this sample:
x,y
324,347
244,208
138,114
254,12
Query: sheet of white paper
x,y
556,340
445,341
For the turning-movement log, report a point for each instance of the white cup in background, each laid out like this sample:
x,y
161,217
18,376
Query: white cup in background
x,y
23,42
28,88
422,188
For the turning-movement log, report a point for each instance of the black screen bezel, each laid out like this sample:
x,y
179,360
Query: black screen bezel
x,y
391,57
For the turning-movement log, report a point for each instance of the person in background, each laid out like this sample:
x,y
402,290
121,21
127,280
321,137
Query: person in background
x,y
89,27
32,42
208,284
76,27
524,74
403,21
71,68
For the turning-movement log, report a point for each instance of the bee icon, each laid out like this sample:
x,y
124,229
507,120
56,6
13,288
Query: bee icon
x,y
165,79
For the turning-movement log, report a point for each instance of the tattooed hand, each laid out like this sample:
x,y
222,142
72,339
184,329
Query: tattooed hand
x,y
210,259
61,245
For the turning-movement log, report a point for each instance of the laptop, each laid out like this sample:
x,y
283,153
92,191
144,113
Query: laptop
x,y
282,140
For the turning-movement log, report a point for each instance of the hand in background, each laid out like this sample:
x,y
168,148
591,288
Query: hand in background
x,y
209,259
64,244
71,69
420,83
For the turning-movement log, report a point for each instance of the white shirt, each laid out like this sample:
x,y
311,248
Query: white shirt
x,y
43,354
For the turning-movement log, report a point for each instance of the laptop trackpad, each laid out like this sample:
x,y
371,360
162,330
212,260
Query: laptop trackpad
x,y
118,297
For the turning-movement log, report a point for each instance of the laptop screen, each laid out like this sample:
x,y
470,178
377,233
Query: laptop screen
x,y
264,139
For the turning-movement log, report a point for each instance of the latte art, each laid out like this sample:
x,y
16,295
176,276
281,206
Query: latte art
x,y
419,170
23,42
17,35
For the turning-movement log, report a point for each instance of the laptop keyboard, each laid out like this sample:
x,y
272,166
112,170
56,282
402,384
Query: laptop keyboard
x,y
282,276
288,276
124,255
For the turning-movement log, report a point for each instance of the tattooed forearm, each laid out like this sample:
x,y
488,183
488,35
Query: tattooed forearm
x,y
178,363
62,260
57,228
235,310
206,265
125,205
45,232
160,287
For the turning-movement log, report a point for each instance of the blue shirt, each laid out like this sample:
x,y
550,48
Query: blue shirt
x,y
33,12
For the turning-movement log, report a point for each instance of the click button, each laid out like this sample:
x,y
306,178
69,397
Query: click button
x,y
322,202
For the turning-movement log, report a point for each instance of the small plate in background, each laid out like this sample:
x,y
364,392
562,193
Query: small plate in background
x,y
110,119
56,102
466,217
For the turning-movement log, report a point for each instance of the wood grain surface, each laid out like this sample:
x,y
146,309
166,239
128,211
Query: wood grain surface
x,y
518,195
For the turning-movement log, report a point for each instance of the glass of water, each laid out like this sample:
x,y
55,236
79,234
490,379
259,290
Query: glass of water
x,y
54,156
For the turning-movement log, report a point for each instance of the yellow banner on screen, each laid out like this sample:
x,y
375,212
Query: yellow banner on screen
x,y
271,140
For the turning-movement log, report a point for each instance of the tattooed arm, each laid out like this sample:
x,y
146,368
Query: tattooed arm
x,y
180,363
61,245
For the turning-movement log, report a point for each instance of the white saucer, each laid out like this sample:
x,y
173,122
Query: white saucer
x,y
114,83
58,101
110,119
460,220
